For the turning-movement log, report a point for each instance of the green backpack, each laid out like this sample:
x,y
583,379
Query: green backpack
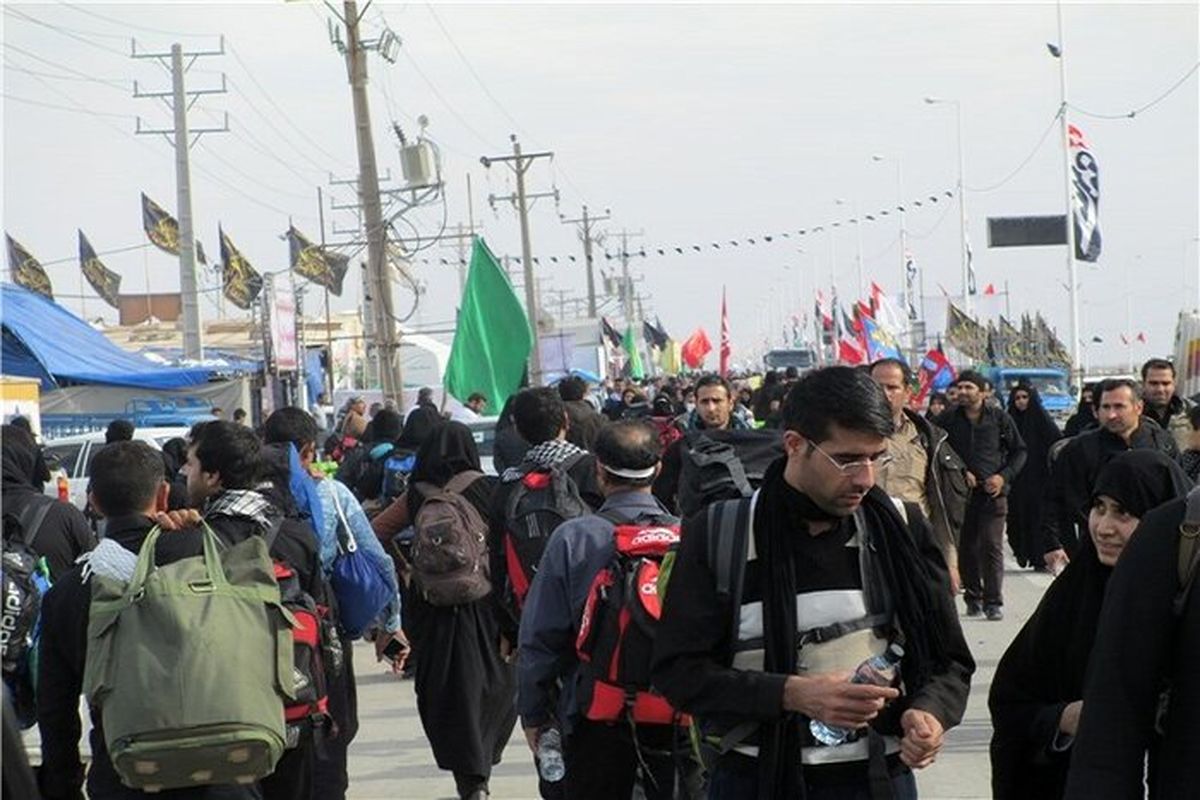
x,y
189,664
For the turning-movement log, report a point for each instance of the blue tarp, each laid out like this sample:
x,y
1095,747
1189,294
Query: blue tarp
x,y
43,340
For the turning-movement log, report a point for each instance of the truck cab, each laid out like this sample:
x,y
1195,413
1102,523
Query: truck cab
x,y
1052,384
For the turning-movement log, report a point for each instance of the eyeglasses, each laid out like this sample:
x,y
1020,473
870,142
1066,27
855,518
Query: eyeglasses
x,y
845,468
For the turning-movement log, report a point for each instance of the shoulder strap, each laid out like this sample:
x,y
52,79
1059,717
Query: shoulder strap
x,y
459,483
272,532
729,532
345,536
1189,552
32,517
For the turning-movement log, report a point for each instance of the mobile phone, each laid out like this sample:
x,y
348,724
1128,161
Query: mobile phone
x,y
395,648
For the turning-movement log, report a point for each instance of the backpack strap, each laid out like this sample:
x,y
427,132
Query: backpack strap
x,y
32,517
1189,551
272,532
345,536
459,483
729,533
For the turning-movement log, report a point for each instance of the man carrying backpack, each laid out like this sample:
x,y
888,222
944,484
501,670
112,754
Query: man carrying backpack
x,y
555,481
339,511
776,601
224,472
714,411
588,560
128,490
57,531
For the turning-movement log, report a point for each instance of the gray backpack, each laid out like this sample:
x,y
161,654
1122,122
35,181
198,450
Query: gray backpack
x,y
449,551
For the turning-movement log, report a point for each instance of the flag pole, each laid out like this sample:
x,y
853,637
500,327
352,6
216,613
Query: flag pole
x,y
1072,276
328,321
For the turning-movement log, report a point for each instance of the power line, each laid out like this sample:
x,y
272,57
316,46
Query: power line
x,y
1041,140
10,11
15,68
267,96
124,24
446,103
56,107
1140,109
246,176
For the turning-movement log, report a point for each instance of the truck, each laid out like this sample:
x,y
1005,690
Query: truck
x,y
802,358
1052,383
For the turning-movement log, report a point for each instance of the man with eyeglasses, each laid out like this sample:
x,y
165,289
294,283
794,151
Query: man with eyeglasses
x,y
988,440
774,601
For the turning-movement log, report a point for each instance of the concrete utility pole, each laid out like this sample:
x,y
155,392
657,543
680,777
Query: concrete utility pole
x,y
520,164
585,224
182,139
626,283
1077,369
387,339
459,240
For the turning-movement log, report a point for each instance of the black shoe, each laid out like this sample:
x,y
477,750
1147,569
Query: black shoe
x,y
974,608
994,613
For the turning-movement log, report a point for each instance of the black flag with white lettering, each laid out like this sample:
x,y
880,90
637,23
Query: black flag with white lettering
x,y
1085,197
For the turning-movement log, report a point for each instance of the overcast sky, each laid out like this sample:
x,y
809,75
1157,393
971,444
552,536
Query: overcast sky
x,y
693,124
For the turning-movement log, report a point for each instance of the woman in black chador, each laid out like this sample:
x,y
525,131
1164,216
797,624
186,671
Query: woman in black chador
x,y
1036,695
1028,495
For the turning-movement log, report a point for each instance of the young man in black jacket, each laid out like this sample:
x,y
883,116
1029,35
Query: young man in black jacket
x,y
774,601
224,472
986,437
63,534
129,491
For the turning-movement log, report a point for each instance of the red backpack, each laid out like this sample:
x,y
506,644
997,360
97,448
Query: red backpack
x,y
616,630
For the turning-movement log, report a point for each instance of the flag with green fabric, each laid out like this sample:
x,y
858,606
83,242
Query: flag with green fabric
x,y
633,365
492,340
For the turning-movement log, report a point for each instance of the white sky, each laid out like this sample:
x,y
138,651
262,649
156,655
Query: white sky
x,y
693,124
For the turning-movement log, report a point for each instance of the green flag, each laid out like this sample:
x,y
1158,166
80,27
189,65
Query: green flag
x,y
492,340
633,368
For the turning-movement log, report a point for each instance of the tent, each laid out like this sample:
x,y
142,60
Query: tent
x,y
43,340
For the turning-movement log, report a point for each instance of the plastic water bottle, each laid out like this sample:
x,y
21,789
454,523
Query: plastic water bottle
x,y
880,670
551,766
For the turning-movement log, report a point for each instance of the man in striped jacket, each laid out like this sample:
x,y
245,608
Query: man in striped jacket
x,y
775,601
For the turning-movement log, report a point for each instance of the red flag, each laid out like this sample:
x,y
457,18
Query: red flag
x,y
1141,337
876,291
726,347
695,349
861,309
989,289
850,352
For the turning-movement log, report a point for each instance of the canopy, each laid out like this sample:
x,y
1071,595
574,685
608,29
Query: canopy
x,y
43,340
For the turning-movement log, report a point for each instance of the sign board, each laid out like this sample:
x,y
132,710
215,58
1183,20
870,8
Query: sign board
x,y
137,308
283,324
1026,231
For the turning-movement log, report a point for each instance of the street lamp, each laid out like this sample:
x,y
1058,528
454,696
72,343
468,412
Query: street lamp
x,y
964,250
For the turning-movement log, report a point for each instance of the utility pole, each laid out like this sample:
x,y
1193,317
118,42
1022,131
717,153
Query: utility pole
x,y
378,278
626,282
460,239
181,100
1068,211
585,224
520,164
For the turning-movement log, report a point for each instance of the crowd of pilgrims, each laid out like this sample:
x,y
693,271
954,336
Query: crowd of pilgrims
x,y
854,542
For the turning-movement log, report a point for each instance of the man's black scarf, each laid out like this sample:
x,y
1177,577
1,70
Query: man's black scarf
x,y
897,564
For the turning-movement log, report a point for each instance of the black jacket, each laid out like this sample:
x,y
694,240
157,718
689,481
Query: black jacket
x,y
1140,645
993,446
64,534
1074,473
63,653
693,651
946,490
584,423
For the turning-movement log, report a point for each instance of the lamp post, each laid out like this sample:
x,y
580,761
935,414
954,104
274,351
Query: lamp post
x,y
964,251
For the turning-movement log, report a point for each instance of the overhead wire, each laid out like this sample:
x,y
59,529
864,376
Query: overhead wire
x,y
125,24
16,67
1145,106
79,37
1024,162
57,107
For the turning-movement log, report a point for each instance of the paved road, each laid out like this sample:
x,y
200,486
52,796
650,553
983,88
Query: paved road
x,y
391,758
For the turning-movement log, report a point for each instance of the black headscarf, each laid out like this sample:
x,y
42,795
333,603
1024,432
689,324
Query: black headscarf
x,y
174,454
18,456
422,421
898,565
1046,662
447,452
1038,430
385,426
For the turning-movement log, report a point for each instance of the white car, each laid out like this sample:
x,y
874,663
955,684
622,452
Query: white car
x,y
71,457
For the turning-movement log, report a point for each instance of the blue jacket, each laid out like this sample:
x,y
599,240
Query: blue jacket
x,y
360,529
576,552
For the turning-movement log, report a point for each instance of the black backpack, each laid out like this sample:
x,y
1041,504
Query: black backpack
x,y
724,465
541,501
26,578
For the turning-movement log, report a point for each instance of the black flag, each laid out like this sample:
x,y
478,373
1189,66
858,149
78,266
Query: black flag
x,y
200,256
26,271
106,282
242,282
611,333
161,227
1085,197
316,263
